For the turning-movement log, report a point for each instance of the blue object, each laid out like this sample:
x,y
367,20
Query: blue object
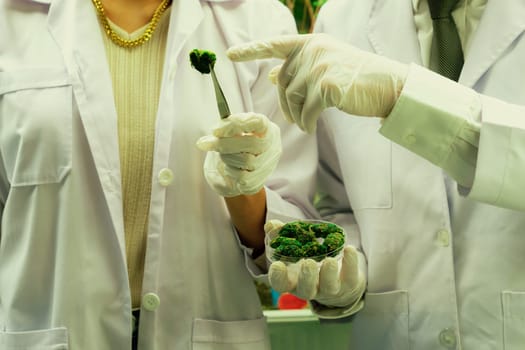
x,y
275,296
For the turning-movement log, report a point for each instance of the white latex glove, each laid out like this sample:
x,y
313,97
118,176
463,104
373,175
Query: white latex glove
x,y
243,151
330,285
320,72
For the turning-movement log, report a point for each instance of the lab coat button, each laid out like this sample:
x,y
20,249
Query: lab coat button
x,y
447,338
150,301
443,238
165,177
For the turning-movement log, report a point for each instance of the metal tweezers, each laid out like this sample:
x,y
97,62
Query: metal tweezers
x,y
224,110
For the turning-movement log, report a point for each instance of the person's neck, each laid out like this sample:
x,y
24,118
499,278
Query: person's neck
x,y
130,15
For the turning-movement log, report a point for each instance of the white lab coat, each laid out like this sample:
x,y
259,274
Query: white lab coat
x,y
444,271
63,277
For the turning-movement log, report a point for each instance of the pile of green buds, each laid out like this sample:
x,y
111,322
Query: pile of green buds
x,y
303,239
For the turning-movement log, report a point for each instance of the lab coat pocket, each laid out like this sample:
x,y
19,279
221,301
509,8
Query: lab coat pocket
x,y
232,335
36,109
49,339
383,322
367,164
513,320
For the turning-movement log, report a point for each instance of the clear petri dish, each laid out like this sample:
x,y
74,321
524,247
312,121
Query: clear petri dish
x,y
305,239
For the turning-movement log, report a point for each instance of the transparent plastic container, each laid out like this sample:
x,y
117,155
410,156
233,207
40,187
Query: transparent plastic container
x,y
274,254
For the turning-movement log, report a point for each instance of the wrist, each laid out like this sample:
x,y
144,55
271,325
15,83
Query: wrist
x,y
248,214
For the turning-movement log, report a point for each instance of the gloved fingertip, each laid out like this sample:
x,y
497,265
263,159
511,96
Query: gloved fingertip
x,y
272,225
329,263
256,123
249,51
242,123
350,261
278,277
350,253
232,53
274,73
225,127
239,53
206,143
278,267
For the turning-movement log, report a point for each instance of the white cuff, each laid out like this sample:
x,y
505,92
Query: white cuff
x,y
437,119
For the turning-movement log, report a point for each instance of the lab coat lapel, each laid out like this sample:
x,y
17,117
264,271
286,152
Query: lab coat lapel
x,y
185,17
74,25
502,22
392,30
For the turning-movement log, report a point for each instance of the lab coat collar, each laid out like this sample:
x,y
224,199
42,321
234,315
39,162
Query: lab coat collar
x,y
502,22
186,15
492,37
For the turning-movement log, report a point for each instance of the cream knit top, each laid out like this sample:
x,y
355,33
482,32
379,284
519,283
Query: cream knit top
x,y
136,74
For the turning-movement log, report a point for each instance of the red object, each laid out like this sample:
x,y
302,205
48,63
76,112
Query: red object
x,y
289,301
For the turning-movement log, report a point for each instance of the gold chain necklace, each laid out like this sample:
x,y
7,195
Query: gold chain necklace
x,y
140,40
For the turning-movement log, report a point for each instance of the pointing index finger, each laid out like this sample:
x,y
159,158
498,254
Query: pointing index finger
x,y
278,47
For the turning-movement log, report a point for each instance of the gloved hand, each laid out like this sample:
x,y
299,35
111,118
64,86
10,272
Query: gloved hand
x,y
320,72
243,151
329,285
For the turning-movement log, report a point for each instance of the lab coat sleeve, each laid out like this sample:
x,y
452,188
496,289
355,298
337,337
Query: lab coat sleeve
x,y
439,120
499,176
479,141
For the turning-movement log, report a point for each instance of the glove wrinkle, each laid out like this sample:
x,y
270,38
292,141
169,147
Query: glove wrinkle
x,y
243,152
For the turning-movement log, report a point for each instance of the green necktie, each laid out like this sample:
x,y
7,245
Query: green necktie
x,y
446,55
